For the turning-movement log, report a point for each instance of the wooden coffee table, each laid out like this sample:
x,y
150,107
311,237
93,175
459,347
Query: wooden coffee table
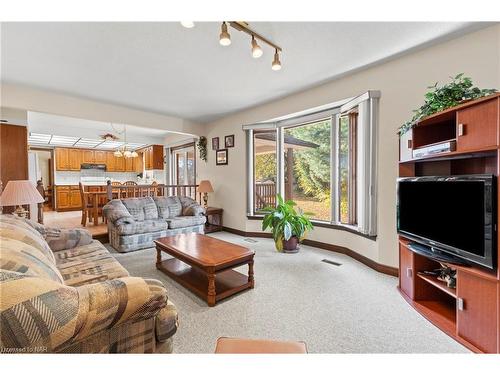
x,y
205,265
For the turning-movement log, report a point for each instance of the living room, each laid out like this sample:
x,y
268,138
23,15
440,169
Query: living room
x,y
270,217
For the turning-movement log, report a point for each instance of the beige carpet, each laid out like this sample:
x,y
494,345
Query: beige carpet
x,y
334,309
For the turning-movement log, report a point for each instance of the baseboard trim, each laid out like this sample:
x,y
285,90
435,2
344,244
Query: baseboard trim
x,y
388,270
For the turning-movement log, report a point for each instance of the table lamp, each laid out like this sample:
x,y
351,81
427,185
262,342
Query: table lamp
x,y
19,192
205,187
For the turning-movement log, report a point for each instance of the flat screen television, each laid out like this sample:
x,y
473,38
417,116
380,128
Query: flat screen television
x,y
453,214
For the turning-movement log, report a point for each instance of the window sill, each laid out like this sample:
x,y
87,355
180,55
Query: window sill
x,y
322,224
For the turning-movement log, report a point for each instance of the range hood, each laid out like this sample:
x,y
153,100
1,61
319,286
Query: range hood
x,y
100,167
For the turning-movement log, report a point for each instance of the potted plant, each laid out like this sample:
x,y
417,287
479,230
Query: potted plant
x,y
288,225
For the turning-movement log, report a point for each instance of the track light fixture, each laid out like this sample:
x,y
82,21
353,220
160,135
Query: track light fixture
x,y
256,50
224,37
276,61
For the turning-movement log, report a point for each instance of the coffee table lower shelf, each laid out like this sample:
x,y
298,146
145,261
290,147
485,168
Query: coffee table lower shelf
x,y
227,282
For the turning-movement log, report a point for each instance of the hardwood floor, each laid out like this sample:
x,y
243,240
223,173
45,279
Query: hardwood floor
x,y
72,219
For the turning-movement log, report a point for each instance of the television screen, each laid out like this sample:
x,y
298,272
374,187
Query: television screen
x,y
453,214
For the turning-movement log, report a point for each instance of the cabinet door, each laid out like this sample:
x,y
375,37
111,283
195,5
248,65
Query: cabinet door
x,y
138,163
406,271
119,164
62,159
75,159
75,199
477,126
129,164
62,197
110,162
157,157
147,158
477,311
100,157
88,156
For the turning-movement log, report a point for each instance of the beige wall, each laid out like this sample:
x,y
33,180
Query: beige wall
x,y
402,83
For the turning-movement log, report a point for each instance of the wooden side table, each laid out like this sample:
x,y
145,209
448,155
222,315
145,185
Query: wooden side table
x,y
214,219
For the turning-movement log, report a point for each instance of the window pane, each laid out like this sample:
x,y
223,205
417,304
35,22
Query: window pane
x,y
307,168
347,168
264,169
344,169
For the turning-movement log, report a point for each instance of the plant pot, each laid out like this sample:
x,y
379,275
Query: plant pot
x,y
291,246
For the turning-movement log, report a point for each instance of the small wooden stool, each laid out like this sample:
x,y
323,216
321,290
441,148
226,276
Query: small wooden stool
x,y
229,345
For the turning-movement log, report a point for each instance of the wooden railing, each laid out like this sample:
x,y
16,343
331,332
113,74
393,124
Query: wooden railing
x,y
265,195
154,190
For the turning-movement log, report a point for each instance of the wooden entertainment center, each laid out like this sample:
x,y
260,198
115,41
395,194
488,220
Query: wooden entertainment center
x,y
471,312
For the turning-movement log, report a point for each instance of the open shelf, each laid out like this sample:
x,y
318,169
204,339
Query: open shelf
x,y
441,285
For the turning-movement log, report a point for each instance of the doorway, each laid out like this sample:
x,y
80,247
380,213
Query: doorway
x,y
184,164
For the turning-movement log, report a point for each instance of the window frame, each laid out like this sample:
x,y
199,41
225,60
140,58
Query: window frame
x,y
367,126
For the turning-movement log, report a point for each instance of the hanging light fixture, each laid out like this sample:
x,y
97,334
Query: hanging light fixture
x,y
256,50
276,62
187,24
224,37
124,151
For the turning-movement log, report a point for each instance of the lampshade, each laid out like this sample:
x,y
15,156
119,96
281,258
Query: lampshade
x,y
205,187
19,192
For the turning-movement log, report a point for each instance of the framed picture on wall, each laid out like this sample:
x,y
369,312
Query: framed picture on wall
x,y
229,141
221,157
215,143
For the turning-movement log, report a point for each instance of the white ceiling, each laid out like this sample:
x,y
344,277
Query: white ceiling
x,y
166,68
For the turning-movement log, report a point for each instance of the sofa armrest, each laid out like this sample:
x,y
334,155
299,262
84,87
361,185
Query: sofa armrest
x,y
64,239
110,303
190,207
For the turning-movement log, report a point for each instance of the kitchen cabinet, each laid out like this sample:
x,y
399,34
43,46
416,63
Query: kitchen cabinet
x,y
138,163
75,159
62,159
100,157
110,162
68,198
119,163
153,157
87,156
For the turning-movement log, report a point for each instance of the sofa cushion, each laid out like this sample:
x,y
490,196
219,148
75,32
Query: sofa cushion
x,y
135,207
22,222
168,206
150,209
21,257
141,227
185,221
88,264
116,212
30,237
62,239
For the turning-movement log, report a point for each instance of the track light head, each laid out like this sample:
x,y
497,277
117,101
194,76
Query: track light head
x,y
256,50
276,62
187,24
224,37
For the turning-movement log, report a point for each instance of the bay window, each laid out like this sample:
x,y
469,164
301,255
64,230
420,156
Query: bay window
x,y
324,159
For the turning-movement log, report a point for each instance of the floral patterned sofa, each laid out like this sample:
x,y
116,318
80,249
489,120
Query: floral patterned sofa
x,y
61,291
134,223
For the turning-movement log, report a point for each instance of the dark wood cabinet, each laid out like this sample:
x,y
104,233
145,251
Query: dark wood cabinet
x,y
153,157
471,312
477,310
477,126
406,270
